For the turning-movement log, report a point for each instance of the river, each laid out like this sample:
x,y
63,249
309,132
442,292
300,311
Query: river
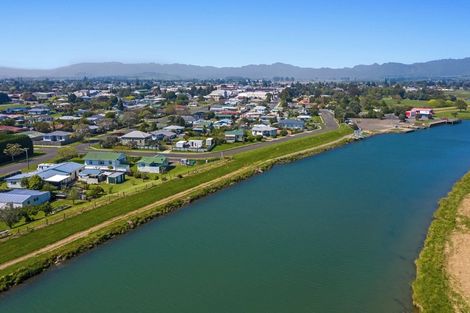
x,y
337,232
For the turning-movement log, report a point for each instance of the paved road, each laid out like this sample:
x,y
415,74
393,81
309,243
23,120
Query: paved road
x,y
50,153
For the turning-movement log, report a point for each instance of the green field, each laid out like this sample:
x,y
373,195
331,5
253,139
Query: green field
x,y
464,115
405,102
27,243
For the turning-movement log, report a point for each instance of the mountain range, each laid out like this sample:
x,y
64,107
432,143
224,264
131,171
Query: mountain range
x,y
445,68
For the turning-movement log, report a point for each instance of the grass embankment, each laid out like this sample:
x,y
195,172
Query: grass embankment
x,y
432,291
242,166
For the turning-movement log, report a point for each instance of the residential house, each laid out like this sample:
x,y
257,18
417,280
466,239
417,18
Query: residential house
x,y
20,198
39,111
174,128
91,176
34,135
141,139
59,175
106,161
57,136
155,164
195,145
292,124
223,123
237,135
115,178
264,130
163,135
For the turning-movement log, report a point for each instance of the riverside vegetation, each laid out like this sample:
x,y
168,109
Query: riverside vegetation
x,y
124,214
432,289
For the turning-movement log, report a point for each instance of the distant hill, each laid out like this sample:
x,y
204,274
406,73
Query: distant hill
x,y
434,69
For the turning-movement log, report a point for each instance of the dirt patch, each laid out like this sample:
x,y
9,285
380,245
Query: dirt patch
x,y
458,255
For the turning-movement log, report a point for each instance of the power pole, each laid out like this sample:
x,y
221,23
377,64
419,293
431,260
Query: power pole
x,y
27,156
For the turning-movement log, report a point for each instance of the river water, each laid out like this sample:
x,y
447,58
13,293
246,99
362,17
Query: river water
x,y
337,232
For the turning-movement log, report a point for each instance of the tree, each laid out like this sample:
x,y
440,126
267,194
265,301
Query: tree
x,y
73,195
269,97
129,118
120,105
42,127
67,153
35,182
4,98
72,98
13,150
9,215
461,105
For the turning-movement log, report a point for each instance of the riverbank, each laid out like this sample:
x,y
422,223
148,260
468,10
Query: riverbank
x,y
443,271
31,254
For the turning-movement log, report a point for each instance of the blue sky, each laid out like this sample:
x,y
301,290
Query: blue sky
x,y
333,33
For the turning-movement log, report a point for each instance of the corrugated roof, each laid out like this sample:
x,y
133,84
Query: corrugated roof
x,y
104,156
158,159
20,195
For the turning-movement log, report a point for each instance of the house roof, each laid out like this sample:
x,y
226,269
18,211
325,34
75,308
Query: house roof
x,y
58,133
165,133
263,128
173,127
290,121
136,134
104,156
158,159
20,195
236,132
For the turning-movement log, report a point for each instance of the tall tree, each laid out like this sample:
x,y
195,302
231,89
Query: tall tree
x,y
13,150
461,105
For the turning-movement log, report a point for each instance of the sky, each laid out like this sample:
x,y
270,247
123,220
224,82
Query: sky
x,y
333,33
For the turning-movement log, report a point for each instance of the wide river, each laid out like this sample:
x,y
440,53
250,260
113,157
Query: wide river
x,y
337,232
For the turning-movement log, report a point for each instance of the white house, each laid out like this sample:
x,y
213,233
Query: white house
x,y
264,130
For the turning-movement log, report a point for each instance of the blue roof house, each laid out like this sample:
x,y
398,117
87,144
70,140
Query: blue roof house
x,y
292,124
19,198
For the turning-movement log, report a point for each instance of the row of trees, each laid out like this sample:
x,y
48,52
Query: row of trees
x,y
11,215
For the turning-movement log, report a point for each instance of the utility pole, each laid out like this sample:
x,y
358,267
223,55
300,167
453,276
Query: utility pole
x,y
27,156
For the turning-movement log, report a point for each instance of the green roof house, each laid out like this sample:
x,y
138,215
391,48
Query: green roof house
x,y
106,161
155,164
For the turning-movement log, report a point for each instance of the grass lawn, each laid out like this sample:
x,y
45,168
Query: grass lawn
x,y
228,146
465,115
406,102
27,243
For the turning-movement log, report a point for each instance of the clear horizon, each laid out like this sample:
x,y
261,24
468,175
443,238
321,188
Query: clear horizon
x,y
336,34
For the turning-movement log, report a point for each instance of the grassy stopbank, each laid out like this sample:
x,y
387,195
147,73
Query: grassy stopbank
x,y
431,289
40,238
